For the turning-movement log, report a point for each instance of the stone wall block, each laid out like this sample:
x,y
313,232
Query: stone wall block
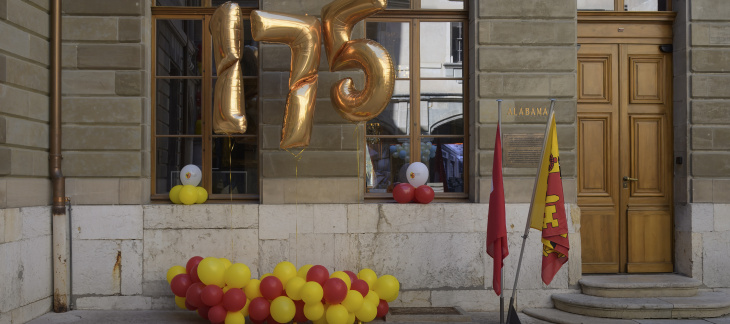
x,y
271,253
721,191
109,57
164,248
14,40
40,50
715,164
710,85
102,110
709,10
132,260
702,218
129,83
24,74
330,218
89,29
28,17
526,59
194,216
20,102
362,218
36,222
710,60
108,222
499,85
99,191
28,163
701,138
130,29
310,190
97,267
96,8
26,133
715,261
102,164
347,253
37,269
722,217
721,138
527,9
430,256
133,191
2,222
114,303
33,310
27,192
438,218
311,164
3,196
88,82
701,190
106,137
527,32
68,56
6,155
312,8
10,275
245,216
276,222
313,248
413,298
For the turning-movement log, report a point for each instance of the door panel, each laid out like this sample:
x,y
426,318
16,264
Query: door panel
x,y
624,158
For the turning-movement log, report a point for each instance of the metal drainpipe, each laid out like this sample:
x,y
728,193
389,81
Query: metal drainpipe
x,y
61,258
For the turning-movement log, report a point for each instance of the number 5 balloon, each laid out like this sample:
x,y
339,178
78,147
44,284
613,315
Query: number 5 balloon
x,y
338,18
226,28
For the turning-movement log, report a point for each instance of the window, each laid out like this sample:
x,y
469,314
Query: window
x,y
425,119
183,81
626,5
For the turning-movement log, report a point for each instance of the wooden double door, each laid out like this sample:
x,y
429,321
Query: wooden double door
x,y
625,158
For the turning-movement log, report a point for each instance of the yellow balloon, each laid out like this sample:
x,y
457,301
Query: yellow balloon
x,y
367,312
387,288
244,311
313,311
353,301
252,289
351,318
312,292
372,298
368,275
175,194
283,309
202,195
342,275
238,275
235,318
180,302
294,288
285,270
303,271
226,289
337,314
188,194
211,271
226,262
174,271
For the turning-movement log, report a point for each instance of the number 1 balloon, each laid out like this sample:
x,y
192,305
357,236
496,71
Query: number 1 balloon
x,y
228,106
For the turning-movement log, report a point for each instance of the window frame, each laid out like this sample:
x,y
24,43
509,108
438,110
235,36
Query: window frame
x,y
414,17
618,5
204,14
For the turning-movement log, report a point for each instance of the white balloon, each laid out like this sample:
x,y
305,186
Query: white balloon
x,y
417,174
191,175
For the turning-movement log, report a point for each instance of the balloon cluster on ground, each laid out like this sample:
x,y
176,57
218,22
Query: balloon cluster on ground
x,y
416,189
189,193
224,292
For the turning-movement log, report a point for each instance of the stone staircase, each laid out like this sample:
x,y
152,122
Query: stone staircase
x,y
635,296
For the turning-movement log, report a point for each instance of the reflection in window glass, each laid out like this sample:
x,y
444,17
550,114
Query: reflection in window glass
x,y
241,3
395,119
178,107
442,107
595,5
386,162
173,153
399,4
642,5
235,165
438,59
395,37
442,4
176,3
445,160
179,44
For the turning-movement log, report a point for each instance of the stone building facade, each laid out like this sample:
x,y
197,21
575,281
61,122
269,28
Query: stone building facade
x,y
313,210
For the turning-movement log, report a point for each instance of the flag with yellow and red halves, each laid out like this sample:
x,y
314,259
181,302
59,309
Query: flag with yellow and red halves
x,y
548,207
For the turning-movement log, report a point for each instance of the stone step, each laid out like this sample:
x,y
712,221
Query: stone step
x,y
639,285
552,315
704,304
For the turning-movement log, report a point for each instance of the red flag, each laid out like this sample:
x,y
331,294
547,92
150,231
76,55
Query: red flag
x,y
548,208
496,224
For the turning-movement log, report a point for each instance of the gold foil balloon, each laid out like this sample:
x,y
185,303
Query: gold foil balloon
x,y
338,18
226,26
303,35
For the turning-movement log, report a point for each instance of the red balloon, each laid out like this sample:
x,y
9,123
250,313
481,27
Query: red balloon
x,y
217,314
271,320
203,311
192,262
193,294
180,284
404,193
271,287
194,274
424,194
360,286
234,300
188,306
211,295
352,276
382,308
259,309
318,273
335,290
299,315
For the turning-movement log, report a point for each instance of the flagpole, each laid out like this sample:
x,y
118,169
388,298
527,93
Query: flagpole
x,y
501,279
527,226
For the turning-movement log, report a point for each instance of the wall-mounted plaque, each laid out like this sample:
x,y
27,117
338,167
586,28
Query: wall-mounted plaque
x,y
522,150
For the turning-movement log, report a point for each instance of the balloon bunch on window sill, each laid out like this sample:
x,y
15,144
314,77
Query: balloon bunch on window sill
x,y
401,151
188,192
222,292
416,189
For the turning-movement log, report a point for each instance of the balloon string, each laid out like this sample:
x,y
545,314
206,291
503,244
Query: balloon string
x,y
297,157
231,144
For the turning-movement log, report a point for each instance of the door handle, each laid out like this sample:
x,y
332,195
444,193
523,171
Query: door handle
x,y
630,179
